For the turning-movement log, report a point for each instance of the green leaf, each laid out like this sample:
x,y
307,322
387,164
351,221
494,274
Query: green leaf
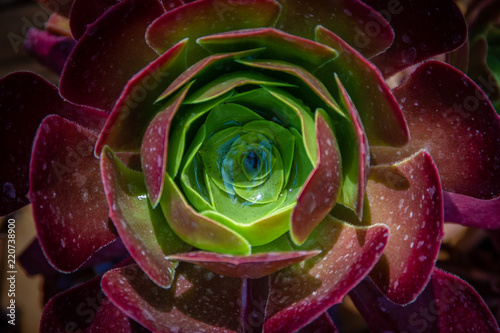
x,y
230,81
228,115
193,176
188,115
196,229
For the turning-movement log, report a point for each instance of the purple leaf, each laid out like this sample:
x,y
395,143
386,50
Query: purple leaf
x,y
68,200
97,62
348,254
407,198
252,266
447,304
50,50
472,212
26,99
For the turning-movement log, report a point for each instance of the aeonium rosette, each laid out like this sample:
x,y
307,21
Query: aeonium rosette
x,y
254,163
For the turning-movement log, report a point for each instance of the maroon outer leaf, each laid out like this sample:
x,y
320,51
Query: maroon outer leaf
x,y
322,187
50,50
97,62
85,12
199,301
355,22
26,99
135,221
382,118
450,117
472,212
301,293
85,309
407,198
447,304
69,205
134,109
251,267
440,19
322,324
206,17
154,149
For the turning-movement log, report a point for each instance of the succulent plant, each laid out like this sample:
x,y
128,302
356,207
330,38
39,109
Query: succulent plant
x,y
250,163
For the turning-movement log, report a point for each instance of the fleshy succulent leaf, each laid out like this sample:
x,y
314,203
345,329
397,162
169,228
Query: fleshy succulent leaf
x,y
322,324
353,21
440,19
304,78
196,229
225,83
205,17
253,266
87,309
154,148
382,118
198,300
276,44
355,166
407,198
69,204
49,49
347,255
129,119
456,124
472,212
97,62
447,304
216,65
321,189
26,100
143,230
85,12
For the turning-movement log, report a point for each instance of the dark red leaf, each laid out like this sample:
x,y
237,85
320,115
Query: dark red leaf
x,y
407,198
252,266
447,304
103,60
423,29
26,99
302,292
322,187
450,117
67,196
